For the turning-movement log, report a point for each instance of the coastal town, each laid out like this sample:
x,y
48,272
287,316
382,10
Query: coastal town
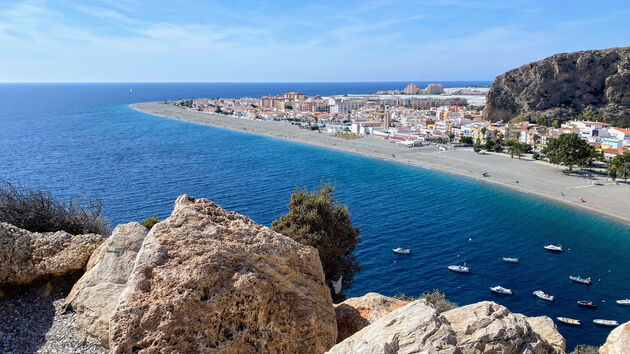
x,y
416,117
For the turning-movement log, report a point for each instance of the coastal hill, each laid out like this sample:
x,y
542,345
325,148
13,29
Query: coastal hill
x,y
564,86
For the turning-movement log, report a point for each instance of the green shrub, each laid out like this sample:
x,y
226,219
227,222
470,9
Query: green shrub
x,y
585,349
150,221
435,298
39,211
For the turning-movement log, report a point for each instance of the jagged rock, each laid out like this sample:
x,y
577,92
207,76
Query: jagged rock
x,y
618,340
355,313
413,328
30,256
95,296
548,331
206,279
564,85
486,327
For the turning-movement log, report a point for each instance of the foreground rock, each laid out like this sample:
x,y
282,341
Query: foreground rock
x,y
564,85
413,328
27,256
206,279
487,327
618,340
357,312
95,296
484,327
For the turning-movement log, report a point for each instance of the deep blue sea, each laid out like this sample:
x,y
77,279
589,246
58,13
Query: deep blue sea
x,y
84,140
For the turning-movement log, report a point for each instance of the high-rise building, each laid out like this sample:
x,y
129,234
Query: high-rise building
x,y
435,89
412,89
386,118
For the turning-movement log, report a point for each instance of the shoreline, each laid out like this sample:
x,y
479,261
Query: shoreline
x,y
527,176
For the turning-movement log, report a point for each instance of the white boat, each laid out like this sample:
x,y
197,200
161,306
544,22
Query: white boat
x,y
501,290
459,269
541,295
606,323
625,302
579,279
554,248
401,250
443,148
569,321
510,260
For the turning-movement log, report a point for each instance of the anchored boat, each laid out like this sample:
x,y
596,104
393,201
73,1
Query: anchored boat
x,y
400,250
625,302
459,269
606,323
541,295
510,259
554,248
589,304
569,321
501,290
579,279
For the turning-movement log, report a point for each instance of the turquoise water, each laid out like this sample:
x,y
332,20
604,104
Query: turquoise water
x,y
85,140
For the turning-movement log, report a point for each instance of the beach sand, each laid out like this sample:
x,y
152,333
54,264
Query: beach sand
x,y
534,177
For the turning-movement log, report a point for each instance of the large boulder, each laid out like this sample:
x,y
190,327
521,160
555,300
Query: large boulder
x,y
413,328
95,296
548,331
618,340
206,279
355,313
28,256
487,327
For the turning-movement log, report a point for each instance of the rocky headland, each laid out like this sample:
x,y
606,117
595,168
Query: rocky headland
x,y
209,280
563,86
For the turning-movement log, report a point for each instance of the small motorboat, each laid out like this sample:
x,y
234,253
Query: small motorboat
x,y
569,321
459,269
580,280
625,302
400,250
485,174
510,260
606,323
541,295
501,290
554,248
589,304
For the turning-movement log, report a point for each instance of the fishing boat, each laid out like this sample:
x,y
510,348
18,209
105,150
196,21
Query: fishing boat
x,y
569,321
589,304
625,302
400,250
510,260
606,323
541,295
579,279
554,248
501,290
459,269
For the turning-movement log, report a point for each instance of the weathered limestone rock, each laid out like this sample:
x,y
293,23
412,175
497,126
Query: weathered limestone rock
x,y
486,327
564,85
95,296
206,279
413,328
618,340
29,256
546,328
358,312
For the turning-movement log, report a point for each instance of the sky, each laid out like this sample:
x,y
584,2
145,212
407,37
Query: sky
x,y
295,41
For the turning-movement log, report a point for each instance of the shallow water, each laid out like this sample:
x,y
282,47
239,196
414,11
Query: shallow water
x,y
83,139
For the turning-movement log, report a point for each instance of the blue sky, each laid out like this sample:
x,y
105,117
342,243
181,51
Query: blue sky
x,y
221,41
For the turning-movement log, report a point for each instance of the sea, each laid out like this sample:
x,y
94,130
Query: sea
x,y
83,140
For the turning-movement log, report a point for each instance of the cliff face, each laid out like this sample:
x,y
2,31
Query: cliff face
x,y
563,86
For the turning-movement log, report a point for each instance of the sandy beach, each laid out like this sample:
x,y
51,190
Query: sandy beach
x,y
534,177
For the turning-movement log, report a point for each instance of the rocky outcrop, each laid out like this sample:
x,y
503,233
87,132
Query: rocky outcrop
x,y
487,327
31,256
413,328
484,327
564,85
95,296
355,313
618,340
206,279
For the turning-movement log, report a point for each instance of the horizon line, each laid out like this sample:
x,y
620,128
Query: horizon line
x,y
227,82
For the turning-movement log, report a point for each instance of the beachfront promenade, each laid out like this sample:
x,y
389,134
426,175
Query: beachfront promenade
x,y
534,177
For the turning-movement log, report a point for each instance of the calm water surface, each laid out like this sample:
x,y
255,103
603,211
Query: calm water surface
x,y
82,139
